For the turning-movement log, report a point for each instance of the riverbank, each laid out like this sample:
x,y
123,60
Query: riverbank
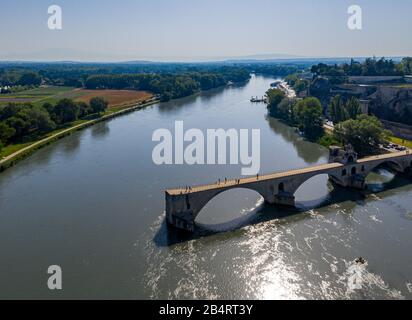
x,y
24,150
327,138
16,152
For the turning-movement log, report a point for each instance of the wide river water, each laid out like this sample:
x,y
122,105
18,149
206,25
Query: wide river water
x,y
93,203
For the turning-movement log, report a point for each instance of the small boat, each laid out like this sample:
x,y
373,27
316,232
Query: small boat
x,y
360,260
256,99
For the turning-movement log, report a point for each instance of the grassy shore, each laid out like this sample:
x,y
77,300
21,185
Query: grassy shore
x,y
11,154
52,94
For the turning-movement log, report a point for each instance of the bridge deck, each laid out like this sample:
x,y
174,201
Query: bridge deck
x,y
392,155
283,174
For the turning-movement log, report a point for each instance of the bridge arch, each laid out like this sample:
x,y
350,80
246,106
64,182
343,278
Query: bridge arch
x,y
201,202
390,163
378,180
303,180
313,192
229,207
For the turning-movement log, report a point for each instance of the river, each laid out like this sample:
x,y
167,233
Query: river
x,y
93,203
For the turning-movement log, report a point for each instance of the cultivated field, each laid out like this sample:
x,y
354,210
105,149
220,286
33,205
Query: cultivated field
x,y
116,98
39,96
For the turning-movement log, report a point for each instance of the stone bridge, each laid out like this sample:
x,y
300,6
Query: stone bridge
x,y
344,169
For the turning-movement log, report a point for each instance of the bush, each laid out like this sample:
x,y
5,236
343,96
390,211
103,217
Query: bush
x,y
6,132
365,134
328,140
308,114
275,96
98,105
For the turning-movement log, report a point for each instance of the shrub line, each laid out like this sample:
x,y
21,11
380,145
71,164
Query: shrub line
x,y
23,153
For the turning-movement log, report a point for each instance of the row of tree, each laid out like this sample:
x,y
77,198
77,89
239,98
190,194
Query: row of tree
x,y
275,69
341,110
306,114
369,67
19,122
365,133
181,76
19,78
169,86
297,84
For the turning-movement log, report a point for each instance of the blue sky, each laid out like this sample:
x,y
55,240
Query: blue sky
x,y
103,30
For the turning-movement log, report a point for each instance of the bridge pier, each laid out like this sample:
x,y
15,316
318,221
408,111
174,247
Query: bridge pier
x,y
286,199
181,220
354,182
179,212
357,182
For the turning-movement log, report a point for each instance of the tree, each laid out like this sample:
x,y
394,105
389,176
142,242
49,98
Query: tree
x,y
311,118
40,120
406,65
84,109
10,110
365,134
305,113
284,110
298,84
6,132
275,96
301,85
166,96
48,107
29,78
370,67
353,108
20,126
337,110
98,105
65,110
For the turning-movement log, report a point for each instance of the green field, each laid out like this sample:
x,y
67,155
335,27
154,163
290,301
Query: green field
x,y
402,142
38,96
40,92
118,100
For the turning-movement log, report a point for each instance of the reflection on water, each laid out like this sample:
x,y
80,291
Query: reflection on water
x,y
309,152
217,216
100,130
71,146
93,203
